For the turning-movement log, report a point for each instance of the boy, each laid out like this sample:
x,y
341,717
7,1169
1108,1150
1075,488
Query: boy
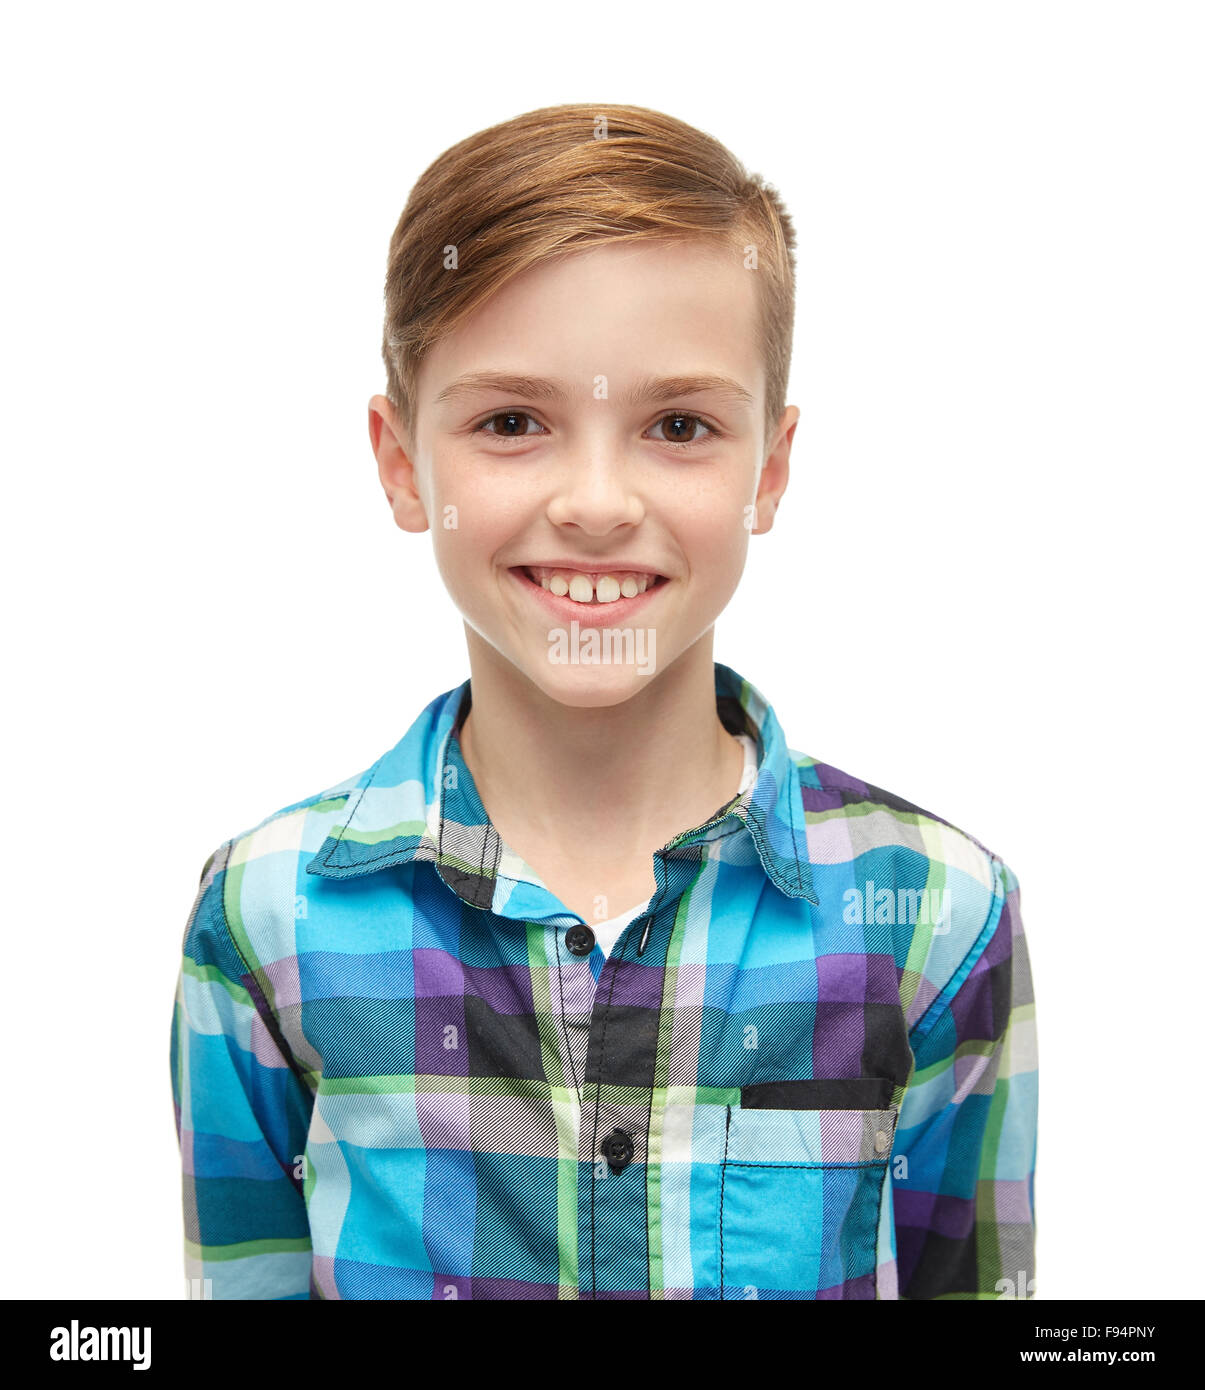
x,y
684,1013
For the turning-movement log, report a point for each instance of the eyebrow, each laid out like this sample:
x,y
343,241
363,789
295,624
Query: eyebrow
x,y
645,389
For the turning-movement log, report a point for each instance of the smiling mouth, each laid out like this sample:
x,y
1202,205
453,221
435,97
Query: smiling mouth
x,y
591,589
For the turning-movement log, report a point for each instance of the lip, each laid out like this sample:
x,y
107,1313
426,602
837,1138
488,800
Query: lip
x,y
566,610
595,568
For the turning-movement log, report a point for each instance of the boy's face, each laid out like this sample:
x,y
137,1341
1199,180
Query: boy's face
x,y
579,469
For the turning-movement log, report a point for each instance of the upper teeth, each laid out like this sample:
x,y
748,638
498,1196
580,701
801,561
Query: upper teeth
x,y
586,588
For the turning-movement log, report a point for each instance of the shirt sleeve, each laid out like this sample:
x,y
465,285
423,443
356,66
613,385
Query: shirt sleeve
x,y
242,1115
967,1134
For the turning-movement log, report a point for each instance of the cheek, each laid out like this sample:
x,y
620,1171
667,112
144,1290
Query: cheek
x,y
460,547
472,517
717,543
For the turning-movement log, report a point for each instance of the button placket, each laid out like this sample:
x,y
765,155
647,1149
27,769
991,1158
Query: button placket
x,y
572,989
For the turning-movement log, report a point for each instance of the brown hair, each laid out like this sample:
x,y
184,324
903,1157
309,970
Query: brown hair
x,y
544,184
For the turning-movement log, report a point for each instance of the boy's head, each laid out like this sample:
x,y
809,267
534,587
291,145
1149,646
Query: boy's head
x,y
588,326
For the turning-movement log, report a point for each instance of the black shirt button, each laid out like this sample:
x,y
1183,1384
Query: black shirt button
x,y
618,1150
580,940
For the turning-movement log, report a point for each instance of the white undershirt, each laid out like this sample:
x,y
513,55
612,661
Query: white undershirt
x,y
608,933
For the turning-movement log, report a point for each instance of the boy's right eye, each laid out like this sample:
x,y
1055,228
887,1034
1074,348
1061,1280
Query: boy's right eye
x,y
513,424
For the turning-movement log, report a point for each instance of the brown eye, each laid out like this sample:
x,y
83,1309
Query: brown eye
x,y
509,424
681,427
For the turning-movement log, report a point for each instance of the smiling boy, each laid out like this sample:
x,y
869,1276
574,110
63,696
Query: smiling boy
x,y
592,987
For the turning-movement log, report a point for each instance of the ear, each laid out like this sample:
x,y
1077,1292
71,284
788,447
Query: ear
x,y
775,471
395,466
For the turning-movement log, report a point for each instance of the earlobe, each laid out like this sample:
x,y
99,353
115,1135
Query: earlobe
x,y
404,501
407,509
767,507
776,471
394,467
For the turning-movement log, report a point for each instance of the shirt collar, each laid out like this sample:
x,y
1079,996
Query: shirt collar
x,y
418,802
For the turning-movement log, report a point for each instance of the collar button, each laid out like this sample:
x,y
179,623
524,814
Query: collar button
x,y
580,940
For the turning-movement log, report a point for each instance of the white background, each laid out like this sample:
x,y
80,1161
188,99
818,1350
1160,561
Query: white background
x,y
979,594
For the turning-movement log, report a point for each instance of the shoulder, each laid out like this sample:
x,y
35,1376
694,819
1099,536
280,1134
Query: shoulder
x,y
252,887
297,828
945,894
885,818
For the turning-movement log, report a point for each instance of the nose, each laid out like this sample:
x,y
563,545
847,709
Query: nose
x,y
596,491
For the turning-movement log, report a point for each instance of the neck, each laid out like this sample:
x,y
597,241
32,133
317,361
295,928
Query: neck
x,y
610,777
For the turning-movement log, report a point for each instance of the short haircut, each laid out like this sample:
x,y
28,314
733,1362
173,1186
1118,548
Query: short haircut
x,y
558,180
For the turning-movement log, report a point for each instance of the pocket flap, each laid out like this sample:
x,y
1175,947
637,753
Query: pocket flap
x,y
862,1093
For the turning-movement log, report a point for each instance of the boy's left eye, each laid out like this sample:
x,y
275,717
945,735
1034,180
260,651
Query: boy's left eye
x,y
512,424
691,422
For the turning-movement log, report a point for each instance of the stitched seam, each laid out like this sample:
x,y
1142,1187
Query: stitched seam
x,y
744,814
602,1054
721,835
794,839
488,832
723,1173
556,933
439,843
598,1085
654,906
648,1242
779,1167
727,1163
924,1025
909,811
497,840
338,839
267,1017
878,1207
442,822
376,858
648,1134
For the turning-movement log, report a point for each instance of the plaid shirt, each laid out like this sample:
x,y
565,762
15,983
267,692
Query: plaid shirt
x,y
402,1069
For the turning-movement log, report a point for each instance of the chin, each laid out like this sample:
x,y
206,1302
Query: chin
x,y
590,686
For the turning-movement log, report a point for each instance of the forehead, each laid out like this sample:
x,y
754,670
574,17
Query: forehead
x,y
622,311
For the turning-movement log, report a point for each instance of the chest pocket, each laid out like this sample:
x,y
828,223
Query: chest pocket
x,y
800,1184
